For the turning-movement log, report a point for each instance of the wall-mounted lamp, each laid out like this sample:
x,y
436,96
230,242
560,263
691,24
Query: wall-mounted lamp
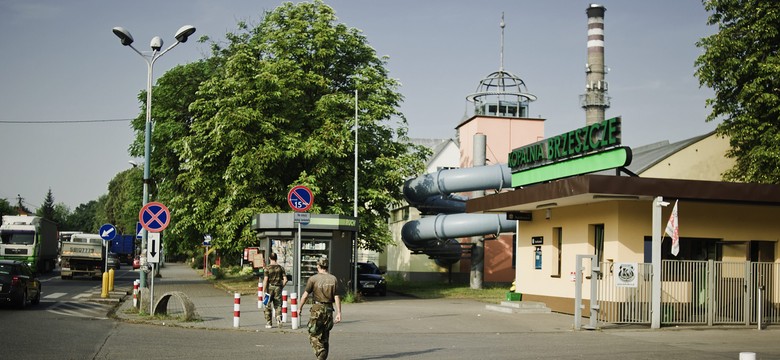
x,y
542,206
548,214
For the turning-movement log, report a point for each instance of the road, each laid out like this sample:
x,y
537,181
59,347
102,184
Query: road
x,y
68,326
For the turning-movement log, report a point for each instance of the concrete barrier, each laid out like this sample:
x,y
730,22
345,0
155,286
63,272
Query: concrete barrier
x,y
161,307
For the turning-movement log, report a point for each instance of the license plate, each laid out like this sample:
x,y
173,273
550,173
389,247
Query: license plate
x,y
368,286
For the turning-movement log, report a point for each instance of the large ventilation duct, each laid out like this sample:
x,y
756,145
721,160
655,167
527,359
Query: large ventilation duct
x,y
430,193
433,231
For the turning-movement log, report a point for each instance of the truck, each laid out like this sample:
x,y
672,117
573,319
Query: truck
x,y
31,239
83,254
124,248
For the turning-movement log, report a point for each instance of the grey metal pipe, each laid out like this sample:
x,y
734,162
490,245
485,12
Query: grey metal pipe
x,y
434,230
448,181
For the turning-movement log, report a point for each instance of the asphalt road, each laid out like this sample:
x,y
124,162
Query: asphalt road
x,y
392,327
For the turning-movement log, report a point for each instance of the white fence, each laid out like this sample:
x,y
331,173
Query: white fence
x,y
695,292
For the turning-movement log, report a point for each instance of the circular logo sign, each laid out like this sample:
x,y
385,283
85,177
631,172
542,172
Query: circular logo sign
x,y
154,217
300,198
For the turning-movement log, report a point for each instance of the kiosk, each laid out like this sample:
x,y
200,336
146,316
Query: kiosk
x,y
324,235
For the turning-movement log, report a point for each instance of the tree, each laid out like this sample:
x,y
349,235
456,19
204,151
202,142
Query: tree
x,y
124,198
6,208
46,210
83,218
741,63
274,109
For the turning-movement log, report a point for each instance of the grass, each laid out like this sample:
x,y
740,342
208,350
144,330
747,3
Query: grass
x,y
246,284
490,293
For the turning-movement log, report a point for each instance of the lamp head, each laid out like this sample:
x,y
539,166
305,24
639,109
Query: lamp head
x,y
157,43
184,32
123,35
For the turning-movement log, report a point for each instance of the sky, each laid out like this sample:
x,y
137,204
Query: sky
x,y
61,66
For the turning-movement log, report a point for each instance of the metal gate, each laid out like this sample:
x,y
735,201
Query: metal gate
x,y
695,293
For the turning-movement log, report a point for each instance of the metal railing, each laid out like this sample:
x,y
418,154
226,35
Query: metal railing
x,y
695,292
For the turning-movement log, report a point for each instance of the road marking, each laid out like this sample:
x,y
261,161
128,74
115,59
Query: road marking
x,y
83,295
55,295
82,310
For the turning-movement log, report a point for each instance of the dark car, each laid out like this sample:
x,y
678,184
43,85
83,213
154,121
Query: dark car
x,y
370,279
19,283
113,261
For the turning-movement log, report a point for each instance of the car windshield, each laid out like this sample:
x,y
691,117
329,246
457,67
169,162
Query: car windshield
x,y
367,269
18,237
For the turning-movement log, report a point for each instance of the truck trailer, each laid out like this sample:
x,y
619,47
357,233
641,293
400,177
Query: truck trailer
x,y
124,248
31,239
83,254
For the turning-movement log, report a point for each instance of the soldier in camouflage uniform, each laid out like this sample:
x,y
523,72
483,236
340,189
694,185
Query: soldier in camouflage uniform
x,y
323,289
273,282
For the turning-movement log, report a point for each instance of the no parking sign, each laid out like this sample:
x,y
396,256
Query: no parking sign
x,y
154,217
300,198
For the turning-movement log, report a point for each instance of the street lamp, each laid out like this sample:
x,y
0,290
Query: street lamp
x,y
156,44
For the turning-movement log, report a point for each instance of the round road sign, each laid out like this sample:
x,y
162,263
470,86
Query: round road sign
x,y
300,198
154,217
107,232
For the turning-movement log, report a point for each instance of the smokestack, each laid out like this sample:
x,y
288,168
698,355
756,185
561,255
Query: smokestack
x,y
595,101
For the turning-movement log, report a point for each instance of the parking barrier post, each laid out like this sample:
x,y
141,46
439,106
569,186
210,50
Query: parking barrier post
x,y
294,309
236,309
136,283
284,306
260,293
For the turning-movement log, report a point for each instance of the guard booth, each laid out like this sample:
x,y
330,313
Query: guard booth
x,y
323,236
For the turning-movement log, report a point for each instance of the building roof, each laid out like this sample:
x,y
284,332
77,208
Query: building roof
x,y
436,145
644,157
586,189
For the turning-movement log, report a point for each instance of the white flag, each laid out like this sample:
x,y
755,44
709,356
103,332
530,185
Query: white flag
x,y
673,230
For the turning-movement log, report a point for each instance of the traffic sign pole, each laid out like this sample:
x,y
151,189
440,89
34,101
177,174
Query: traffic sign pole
x,y
300,199
154,217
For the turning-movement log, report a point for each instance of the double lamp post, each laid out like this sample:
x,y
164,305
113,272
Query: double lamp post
x,y
156,45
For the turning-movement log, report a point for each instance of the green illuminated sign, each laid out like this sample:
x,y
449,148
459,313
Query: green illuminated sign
x,y
592,148
585,140
604,160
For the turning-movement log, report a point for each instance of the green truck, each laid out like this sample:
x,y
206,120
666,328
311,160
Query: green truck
x,y
31,239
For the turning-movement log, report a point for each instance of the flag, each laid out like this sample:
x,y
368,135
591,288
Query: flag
x,y
673,230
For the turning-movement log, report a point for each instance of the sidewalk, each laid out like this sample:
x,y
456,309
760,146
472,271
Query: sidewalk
x,y
214,309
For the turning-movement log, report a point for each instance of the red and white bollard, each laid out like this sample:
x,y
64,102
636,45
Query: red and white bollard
x,y
260,293
236,309
136,284
294,309
284,306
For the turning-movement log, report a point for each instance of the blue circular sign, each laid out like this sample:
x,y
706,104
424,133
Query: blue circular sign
x,y
154,217
107,232
300,198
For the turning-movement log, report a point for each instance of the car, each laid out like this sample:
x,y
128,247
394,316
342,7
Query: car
x,y
113,261
137,262
371,279
19,284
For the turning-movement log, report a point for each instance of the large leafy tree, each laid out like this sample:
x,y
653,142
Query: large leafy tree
x,y
275,108
124,198
6,208
741,63
83,218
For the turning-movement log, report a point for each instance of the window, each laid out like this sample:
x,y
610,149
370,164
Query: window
x,y
557,242
597,241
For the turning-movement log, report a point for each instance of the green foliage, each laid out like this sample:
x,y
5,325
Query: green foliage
x,y
273,108
741,63
124,200
46,210
6,208
83,218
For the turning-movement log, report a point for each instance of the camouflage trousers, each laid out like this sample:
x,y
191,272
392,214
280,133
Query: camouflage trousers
x,y
275,302
320,323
